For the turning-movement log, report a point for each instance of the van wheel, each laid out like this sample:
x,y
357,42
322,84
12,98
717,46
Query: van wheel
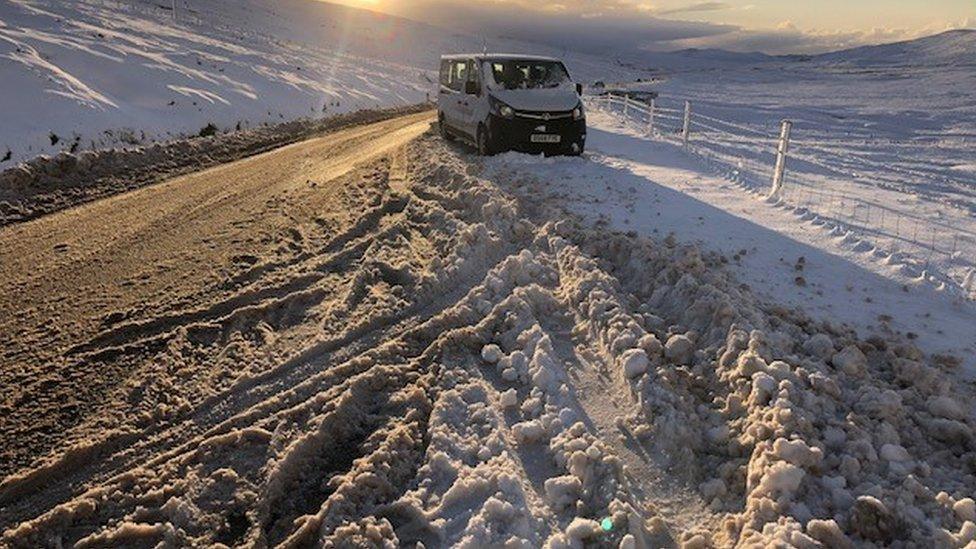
x,y
442,127
486,147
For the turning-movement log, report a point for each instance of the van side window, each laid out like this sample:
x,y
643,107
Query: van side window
x,y
446,73
474,72
498,71
459,75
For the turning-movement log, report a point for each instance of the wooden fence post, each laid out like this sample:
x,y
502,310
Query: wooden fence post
x,y
686,131
781,150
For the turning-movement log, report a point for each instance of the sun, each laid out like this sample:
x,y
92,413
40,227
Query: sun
x,y
373,4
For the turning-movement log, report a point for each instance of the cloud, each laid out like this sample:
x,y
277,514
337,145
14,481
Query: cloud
x,y
697,7
625,27
788,38
589,26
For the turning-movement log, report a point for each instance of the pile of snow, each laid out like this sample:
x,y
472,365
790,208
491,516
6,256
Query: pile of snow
x,y
587,388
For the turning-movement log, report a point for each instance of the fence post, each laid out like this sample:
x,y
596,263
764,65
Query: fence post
x,y
626,104
686,131
650,120
781,150
609,101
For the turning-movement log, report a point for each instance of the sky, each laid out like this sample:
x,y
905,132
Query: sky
x,y
777,27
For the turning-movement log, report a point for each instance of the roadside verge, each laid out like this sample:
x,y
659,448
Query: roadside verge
x,y
48,184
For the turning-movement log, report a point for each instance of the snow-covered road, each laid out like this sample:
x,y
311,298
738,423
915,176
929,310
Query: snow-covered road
x,y
374,338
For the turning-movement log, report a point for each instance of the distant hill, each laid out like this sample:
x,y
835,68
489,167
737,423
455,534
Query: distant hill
x,y
954,48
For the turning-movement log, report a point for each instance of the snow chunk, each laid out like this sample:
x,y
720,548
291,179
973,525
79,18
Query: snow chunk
x,y
829,533
679,348
528,432
965,509
635,363
651,345
491,353
850,360
562,492
581,529
509,399
577,531
945,407
894,452
764,386
872,520
781,479
797,452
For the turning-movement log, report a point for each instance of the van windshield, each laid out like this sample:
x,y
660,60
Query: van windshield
x,y
524,75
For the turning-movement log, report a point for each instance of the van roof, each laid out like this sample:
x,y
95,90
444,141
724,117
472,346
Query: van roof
x,y
498,57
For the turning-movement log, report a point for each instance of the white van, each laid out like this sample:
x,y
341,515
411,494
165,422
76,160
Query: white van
x,y
511,102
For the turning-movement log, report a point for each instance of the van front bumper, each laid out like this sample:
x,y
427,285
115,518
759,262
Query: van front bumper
x,y
516,134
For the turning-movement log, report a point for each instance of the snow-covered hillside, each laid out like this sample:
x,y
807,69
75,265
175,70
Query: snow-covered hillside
x,y
90,74
952,48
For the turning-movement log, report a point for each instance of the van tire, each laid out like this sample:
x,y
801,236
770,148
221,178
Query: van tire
x,y
486,145
442,127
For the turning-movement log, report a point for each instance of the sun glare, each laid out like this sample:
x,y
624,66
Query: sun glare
x,y
364,3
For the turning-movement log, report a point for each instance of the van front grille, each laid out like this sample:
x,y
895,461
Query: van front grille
x,y
544,116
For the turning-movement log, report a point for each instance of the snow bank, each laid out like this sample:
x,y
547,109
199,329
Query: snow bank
x,y
46,184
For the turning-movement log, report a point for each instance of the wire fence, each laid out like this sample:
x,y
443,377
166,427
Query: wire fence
x,y
876,213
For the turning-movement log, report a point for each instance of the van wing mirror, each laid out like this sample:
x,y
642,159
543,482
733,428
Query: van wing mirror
x,y
472,88
579,89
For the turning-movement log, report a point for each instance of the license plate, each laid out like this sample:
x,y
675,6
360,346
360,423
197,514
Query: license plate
x,y
546,138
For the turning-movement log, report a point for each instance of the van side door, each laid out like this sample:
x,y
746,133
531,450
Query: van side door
x,y
470,102
445,96
453,92
480,103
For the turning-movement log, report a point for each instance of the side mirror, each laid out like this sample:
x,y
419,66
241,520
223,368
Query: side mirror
x,y
472,88
579,89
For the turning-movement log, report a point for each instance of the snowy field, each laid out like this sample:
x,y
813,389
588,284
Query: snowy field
x,y
882,144
90,74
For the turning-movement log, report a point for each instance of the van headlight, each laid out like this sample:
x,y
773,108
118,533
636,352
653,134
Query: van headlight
x,y
578,113
501,109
